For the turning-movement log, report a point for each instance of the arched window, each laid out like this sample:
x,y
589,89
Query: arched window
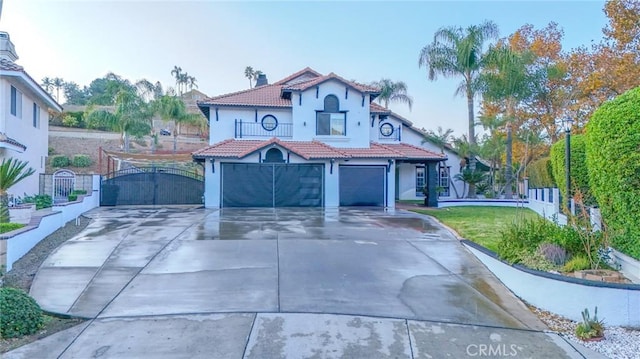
x,y
331,121
273,155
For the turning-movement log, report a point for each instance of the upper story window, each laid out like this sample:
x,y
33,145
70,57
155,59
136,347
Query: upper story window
x,y
36,115
16,102
331,121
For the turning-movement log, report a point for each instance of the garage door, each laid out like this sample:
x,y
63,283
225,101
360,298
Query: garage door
x,y
362,185
272,185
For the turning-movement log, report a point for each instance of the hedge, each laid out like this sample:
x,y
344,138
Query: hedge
x,y
81,161
539,173
59,161
579,171
613,158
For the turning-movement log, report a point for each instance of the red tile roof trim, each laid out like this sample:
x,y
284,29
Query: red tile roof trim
x,y
298,74
310,150
4,138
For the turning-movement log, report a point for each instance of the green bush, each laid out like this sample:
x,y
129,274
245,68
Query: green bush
x,y
537,261
79,191
72,197
41,200
21,315
81,161
613,159
59,161
51,151
540,175
579,173
73,119
8,227
578,262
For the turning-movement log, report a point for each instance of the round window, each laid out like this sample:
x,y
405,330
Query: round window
x,y
269,122
386,129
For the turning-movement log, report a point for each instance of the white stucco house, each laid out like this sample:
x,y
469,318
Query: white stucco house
x,y
316,140
24,117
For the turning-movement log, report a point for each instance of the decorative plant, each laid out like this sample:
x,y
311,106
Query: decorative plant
x,y
12,171
590,327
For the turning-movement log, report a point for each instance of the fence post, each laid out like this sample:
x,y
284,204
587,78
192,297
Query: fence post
x,y
595,218
556,200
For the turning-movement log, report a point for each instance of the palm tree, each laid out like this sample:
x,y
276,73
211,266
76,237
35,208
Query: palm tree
x,y
12,171
177,74
393,92
507,80
440,139
192,82
250,74
456,52
58,83
145,89
471,178
47,85
173,108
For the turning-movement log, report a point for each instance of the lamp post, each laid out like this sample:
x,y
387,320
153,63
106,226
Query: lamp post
x,y
567,122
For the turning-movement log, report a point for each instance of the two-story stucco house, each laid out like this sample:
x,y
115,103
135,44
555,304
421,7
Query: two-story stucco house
x,y
315,140
24,117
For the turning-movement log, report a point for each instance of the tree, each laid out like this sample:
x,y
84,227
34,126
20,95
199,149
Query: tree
x,y
178,75
47,85
171,108
249,73
391,91
440,139
471,178
12,171
103,91
507,80
192,82
58,83
455,52
74,95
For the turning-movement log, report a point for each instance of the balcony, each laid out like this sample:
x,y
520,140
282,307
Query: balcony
x,y
389,133
263,129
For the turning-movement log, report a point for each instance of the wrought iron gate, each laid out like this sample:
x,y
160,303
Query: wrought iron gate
x,y
151,186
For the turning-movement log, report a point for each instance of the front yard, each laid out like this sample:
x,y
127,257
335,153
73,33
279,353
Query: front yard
x,y
482,225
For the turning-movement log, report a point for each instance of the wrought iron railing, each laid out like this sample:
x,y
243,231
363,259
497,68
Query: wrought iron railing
x,y
153,169
258,129
396,134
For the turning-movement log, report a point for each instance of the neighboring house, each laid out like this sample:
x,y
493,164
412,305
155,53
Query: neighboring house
x,y
314,140
24,117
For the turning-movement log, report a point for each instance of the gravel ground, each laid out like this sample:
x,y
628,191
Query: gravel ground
x,y
618,342
22,273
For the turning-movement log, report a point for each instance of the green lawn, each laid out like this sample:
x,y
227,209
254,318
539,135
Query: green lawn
x,y
482,225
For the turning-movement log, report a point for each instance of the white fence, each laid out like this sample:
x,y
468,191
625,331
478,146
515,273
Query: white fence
x,y
15,244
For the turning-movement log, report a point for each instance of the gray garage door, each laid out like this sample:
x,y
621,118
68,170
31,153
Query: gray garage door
x,y
362,185
272,185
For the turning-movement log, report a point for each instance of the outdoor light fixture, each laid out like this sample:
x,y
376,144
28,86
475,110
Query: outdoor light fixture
x,y
331,168
390,164
213,166
566,123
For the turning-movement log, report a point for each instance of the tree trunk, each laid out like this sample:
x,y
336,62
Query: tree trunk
x,y
472,139
508,193
126,142
4,207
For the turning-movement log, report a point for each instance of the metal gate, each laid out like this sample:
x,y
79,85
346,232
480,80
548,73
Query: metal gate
x,y
151,186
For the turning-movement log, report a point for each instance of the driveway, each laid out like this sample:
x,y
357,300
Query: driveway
x,y
270,283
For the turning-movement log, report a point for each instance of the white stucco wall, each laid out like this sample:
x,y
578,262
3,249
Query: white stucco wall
x,y
22,130
357,118
224,128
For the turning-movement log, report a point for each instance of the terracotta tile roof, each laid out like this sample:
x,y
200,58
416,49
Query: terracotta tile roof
x,y
375,108
8,140
306,70
308,84
309,150
7,65
267,95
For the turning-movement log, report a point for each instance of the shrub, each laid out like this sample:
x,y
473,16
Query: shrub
x,y
59,161
578,262
8,227
523,237
21,315
579,173
72,197
81,161
590,327
613,159
51,151
535,260
79,191
69,121
553,253
540,174
73,119
41,200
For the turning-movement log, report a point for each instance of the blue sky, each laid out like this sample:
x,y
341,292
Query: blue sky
x,y
215,41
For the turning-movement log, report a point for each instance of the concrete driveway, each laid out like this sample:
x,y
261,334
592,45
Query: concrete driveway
x,y
271,283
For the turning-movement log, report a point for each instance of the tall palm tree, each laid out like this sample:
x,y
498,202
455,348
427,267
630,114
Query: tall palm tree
x,y
391,91
507,80
249,74
192,82
177,74
47,85
457,52
12,171
58,83
440,139
172,108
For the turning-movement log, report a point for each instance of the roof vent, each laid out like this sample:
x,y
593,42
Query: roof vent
x,y
262,80
7,50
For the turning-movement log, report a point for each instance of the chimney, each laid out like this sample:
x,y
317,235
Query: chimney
x,y
262,80
7,50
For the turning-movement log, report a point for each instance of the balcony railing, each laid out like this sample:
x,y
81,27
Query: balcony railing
x,y
395,135
257,129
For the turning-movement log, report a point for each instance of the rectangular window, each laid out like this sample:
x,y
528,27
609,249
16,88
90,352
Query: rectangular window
x,y
16,102
420,181
443,182
36,115
331,124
